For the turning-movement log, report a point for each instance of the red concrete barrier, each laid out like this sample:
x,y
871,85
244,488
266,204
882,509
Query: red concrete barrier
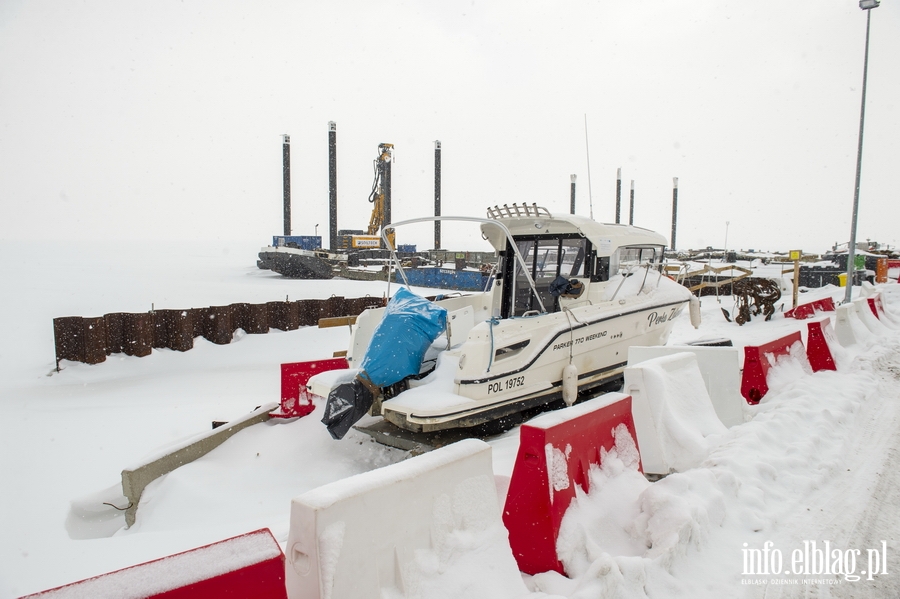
x,y
818,345
757,363
295,400
540,492
875,305
808,310
249,566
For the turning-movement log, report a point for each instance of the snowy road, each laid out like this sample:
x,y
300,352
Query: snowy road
x,y
860,505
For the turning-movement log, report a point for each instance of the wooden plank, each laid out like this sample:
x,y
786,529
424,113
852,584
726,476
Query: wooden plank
x,y
337,321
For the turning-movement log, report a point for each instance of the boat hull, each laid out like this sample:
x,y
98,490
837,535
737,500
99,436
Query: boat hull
x,y
596,345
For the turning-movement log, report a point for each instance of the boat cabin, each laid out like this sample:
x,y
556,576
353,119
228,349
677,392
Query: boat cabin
x,y
564,255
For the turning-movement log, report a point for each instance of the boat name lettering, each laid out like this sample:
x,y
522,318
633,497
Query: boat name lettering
x,y
511,383
595,336
658,318
576,341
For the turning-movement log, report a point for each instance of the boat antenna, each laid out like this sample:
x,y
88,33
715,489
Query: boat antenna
x,y
588,151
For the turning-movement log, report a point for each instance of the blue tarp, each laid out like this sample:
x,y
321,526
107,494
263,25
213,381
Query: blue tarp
x,y
410,324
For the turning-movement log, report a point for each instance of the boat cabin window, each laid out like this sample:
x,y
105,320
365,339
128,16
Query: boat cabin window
x,y
546,257
628,258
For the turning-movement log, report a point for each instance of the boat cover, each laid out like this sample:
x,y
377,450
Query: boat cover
x,y
410,324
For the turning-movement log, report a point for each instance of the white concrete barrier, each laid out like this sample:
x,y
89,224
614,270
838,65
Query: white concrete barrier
x,y
848,328
673,415
720,368
890,302
882,302
867,317
879,301
386,532
867,289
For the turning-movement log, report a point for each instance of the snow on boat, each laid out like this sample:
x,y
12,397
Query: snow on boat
x,y
568,298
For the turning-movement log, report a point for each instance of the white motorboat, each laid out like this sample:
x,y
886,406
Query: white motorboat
x,y
568,298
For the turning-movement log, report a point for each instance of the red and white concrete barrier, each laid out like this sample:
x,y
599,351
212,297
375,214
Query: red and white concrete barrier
x,y
866,312
821,345
556,451
250,566
759,358
809,310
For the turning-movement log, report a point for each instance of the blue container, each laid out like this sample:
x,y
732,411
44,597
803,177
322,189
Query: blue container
x,y
304,242
445,278
408,248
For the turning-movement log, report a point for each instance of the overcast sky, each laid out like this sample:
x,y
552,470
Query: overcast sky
x,y
163,120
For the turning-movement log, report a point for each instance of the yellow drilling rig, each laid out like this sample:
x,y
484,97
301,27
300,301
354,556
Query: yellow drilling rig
x,y
380,205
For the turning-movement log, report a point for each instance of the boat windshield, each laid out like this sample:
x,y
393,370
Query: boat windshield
x,y
547,257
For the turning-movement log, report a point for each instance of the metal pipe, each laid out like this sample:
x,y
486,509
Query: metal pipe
x,y
674,208
631,206
587,151
387,189
437,193
618,194
332,186
572,195
286,175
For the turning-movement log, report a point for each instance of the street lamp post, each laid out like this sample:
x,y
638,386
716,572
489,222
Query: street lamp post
x,y
725,249
866,5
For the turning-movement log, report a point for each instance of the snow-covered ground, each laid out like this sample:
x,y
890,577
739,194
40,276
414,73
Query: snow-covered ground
x,y
813,462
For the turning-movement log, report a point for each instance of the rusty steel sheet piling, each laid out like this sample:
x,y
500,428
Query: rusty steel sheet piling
x,y
257,319
284,316
217,326
240,314
160,333
179,329
308,312
94,340
68,335
115,332
332,307
91,339
137,334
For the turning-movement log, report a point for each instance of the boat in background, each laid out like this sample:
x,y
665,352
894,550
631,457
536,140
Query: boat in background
x,y
299,257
